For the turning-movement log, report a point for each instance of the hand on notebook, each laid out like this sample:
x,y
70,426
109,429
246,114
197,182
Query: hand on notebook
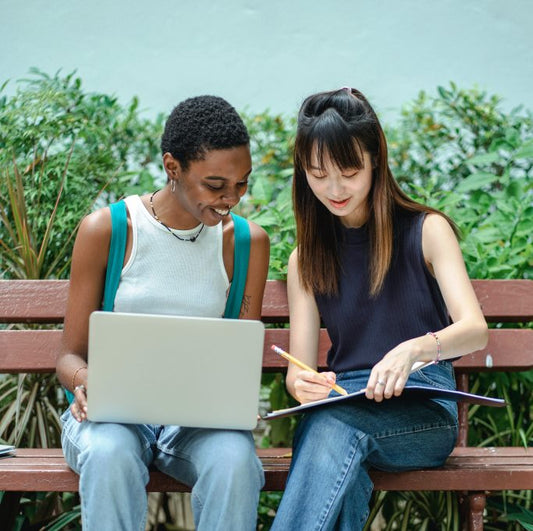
x,y
389,376
310,385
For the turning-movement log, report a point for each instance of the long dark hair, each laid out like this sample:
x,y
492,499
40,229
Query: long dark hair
x,y
341,125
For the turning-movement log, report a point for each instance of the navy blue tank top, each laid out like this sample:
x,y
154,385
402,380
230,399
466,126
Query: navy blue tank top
x,y
363,329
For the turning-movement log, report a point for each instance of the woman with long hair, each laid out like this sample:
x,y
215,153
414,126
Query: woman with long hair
x,y
385,275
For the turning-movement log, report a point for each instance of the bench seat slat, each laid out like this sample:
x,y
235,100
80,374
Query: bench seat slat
x,y
466,469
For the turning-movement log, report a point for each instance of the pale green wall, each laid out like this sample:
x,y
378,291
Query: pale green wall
x,y
270,54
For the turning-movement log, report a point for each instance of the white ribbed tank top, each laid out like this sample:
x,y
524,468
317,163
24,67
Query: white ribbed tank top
x,y
165,275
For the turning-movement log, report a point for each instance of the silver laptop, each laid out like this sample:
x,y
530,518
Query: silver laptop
x,y
162,369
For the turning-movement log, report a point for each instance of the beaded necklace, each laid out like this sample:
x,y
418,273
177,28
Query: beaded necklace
x,y
192,239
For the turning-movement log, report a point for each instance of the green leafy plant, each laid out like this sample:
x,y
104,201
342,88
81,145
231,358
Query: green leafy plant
x,y
269,202
461,153
23,252
60,148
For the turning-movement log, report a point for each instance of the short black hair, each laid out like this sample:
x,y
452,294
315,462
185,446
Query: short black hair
x,y
201,124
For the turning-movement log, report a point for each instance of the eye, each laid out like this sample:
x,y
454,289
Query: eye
x,y
243,184
213,187
320,176
350,174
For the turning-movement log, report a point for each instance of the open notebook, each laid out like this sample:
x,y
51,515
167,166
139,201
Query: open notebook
x,y
163,369
411,391
6,449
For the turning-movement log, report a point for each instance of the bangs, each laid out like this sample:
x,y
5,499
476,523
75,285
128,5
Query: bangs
x,y
328,138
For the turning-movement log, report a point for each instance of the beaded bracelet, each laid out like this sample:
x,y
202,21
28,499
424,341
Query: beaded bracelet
x,y
75,374
439,351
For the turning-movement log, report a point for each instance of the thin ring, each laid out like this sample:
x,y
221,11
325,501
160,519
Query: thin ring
x,y
82,387
380,382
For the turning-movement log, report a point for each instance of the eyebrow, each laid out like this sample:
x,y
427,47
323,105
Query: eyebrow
x,y
220,178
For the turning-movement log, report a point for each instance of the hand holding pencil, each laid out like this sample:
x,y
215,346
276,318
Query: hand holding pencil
x,y
304,366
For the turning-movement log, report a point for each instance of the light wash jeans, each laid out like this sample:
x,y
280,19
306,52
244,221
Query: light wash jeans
x,y
328,486
112,460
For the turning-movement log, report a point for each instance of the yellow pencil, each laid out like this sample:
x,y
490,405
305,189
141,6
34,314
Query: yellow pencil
x,y
305,367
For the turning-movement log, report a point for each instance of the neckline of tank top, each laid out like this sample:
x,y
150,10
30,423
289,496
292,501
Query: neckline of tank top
x,y
159,226
355,235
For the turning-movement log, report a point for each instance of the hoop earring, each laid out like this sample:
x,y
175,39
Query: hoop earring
x,y
172,185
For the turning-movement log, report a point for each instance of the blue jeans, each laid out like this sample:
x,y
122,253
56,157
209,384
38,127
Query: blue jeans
x,y
328,486
112,460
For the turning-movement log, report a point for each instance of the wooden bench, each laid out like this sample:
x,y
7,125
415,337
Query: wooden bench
x,y
472,471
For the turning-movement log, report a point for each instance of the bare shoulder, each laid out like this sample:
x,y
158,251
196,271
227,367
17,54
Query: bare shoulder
x,y
437,234
293,257
436,226
293,273
440,245
97,224
260,246
94,235
258,234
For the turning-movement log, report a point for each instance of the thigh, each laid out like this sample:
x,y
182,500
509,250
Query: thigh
x,y
395,434
80,438
413,434
185,453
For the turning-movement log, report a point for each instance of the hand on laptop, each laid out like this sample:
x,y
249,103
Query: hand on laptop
x,y
78,408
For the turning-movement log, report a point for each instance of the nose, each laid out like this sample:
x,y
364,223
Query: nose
x,y
231,197
335,187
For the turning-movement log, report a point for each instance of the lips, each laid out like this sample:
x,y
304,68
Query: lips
x,y
338,204
222,212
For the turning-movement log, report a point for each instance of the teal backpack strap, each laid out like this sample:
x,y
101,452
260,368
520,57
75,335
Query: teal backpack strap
x,y
241,257
117,249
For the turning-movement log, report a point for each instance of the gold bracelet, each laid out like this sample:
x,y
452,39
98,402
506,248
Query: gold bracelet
x,y
75,374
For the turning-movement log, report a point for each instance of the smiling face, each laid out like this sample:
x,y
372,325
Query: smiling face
x,y
210,187
343,191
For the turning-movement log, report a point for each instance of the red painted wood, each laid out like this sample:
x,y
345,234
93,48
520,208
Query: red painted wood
x,y
36,350
470,469
35,301
45,300
500,300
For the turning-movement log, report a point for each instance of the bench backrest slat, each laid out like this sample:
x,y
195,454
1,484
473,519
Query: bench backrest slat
x,y
44,301
33,301
35,351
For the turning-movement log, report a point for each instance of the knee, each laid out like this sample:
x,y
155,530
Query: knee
x,y
236,462
113,451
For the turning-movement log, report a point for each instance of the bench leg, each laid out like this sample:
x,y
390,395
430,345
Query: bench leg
x,y
9,509
476,505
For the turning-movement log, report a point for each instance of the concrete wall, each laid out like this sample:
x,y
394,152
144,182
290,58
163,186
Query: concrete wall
x,y
271,54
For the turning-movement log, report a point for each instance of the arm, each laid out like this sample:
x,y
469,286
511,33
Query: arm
x,y
468,331
86,287
304,386
252,299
